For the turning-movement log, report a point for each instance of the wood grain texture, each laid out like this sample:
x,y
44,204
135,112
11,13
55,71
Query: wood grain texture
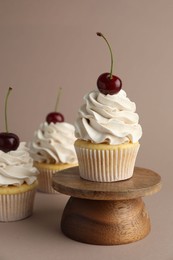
x,y
106,213
144,182
105,222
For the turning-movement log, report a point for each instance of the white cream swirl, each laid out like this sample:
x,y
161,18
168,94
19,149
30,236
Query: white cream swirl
x,y
108,119
54,143
16,167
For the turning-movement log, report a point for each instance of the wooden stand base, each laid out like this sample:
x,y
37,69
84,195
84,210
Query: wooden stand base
x,y
105,222
106,213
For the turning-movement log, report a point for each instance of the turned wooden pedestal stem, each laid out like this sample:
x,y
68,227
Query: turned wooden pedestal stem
x,y
106,213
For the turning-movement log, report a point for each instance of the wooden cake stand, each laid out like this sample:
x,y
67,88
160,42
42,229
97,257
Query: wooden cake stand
x,y
106,213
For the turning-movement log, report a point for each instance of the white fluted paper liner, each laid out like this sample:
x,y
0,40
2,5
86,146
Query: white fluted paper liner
x,y
107,165
45,180
46,173
18,206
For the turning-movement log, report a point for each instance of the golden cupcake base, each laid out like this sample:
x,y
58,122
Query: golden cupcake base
x,y
16,203
105,162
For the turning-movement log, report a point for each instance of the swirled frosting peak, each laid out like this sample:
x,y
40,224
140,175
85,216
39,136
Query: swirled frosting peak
x,y
108,119
54,143
16,167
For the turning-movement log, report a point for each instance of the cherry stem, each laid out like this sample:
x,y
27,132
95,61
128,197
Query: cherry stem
x,y
101,35
57,100
6,102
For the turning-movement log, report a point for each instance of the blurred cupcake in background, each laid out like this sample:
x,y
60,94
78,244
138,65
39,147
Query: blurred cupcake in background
x,y
18,177
52,148
18,183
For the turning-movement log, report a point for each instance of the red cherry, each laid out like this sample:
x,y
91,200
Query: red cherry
x,y
8,142
107,85
55,117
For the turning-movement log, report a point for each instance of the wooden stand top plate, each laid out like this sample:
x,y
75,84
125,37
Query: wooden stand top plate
x,y
144,182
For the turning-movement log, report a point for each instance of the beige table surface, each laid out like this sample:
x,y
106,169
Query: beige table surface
x,y
40,237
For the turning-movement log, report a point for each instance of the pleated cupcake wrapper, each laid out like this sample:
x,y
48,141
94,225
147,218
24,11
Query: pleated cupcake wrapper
x,y
18,206
45,180
107,165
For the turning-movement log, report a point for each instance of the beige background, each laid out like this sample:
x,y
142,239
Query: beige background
x,y
50,43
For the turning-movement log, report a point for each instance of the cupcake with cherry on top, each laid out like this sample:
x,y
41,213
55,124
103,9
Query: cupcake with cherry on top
x,y
18,176
52,148
107,131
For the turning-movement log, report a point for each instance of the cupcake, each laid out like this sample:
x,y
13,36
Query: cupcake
x,y
52,150
107,131
18,183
